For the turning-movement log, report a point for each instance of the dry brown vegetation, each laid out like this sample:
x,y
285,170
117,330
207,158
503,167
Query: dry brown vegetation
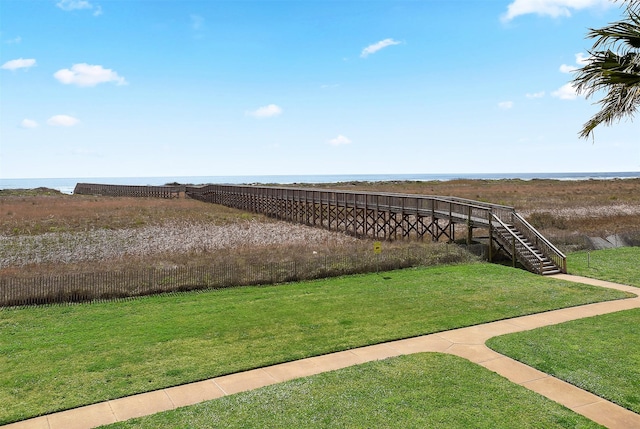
x,y
52,233
49,232
563,210
56,212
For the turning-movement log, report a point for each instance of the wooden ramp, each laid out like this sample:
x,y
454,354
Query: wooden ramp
x,y
390,216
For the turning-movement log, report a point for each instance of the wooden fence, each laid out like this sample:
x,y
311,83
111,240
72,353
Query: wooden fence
x,y
128,190
82,287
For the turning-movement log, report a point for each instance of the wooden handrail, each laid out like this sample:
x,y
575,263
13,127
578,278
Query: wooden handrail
x,y
530,251
553,252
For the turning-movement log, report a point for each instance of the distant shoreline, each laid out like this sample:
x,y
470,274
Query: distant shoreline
x,y
66,185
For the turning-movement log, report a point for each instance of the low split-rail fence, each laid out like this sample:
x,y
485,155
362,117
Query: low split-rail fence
x,y
167,191
83,287
390,216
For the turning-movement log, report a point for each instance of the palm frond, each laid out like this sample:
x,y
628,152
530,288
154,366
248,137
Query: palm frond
x,y
613,67
622,35
620,102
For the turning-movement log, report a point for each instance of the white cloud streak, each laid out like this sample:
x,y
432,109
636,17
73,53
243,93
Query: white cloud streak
x,y
567,69
62,121
551,8
197,22
268,111
20,63
13,41
88,75
581,60
566,92
28,123
197,26
339,141
372,49
71,5
505,105
535,94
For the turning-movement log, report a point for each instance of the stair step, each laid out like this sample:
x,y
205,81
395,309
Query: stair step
x,y
525,250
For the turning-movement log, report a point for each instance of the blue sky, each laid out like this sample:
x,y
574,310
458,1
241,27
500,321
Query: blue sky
x,y
206,88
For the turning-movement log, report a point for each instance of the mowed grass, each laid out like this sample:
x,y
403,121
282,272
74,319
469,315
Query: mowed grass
x,y
59,357
427,390
599,354
621,265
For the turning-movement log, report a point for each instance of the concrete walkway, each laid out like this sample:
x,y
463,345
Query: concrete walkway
x,y
468,343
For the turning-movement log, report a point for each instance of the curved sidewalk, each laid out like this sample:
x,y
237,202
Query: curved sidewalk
x,y
468,343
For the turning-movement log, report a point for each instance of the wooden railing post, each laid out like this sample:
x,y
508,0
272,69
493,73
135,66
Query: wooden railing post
x,y
490,237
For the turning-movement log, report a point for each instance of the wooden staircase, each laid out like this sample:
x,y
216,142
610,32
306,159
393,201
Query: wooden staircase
x,y
518,239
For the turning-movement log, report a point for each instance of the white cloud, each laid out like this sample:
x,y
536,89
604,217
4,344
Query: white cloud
x,y
62,121
552,8
20,63
268,111
566,92
582,59
339,141
372,49
535,94
568,69
88,75
28,123
197,26
197,22
69,5
15,40
505,105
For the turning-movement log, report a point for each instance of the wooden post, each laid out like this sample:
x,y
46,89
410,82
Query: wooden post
x,y
469,228
490,239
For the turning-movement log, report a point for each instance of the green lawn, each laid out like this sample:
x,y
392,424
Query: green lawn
x,y
427,390
59,357
620,265
599,354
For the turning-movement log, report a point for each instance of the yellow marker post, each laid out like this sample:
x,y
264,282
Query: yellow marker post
x,y
377,249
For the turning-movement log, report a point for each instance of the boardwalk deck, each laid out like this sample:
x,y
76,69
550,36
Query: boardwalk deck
x,y
393,216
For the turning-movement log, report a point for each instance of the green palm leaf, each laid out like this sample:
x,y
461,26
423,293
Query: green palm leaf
x,y
613,67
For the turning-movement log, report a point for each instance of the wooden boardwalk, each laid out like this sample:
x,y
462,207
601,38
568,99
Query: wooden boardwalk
x,y
127,190
390,216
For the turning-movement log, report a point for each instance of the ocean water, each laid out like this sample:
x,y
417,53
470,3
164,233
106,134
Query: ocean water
x,y
67,185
